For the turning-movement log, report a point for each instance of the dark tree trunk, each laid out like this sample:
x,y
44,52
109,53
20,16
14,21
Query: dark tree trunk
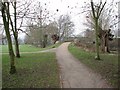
x,y
103,44
16,34
45,40
17,48
97,40
6,27
106,44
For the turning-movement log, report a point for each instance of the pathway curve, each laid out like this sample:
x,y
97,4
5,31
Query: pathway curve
x,y
74,74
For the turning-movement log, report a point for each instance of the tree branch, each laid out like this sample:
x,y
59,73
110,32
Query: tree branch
x,y
93,10
23,32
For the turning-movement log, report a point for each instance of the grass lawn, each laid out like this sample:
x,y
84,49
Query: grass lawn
x,y
107,67
28,48
38,70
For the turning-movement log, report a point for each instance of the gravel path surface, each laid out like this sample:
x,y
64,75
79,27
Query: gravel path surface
x,y
74,74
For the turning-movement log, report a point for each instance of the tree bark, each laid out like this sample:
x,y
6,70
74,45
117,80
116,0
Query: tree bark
x,y
6,27
16,34
97,39
103,44
106,44
17,48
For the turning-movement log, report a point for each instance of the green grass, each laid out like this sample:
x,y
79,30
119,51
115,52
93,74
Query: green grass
x,y
38,70
28,48
23,48
107,66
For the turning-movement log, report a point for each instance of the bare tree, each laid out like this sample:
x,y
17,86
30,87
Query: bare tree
x,y
18,14
52,30
105,22
41,29
40,37
65,27
15,29
15,32
6,18
96,12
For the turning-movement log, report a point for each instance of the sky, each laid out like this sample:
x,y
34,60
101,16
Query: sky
x,y
73,10
70,7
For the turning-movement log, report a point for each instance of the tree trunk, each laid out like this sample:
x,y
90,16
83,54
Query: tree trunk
x,y
12,56
6,27
106,44
97,40
17,48
103,44
16,34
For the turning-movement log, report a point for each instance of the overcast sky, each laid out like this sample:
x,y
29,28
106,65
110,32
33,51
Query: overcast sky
x,y
70,7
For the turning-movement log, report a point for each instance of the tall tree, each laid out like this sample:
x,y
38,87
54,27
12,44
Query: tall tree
x,y
96,12
107,22
6,18
104,31
16,33
15,29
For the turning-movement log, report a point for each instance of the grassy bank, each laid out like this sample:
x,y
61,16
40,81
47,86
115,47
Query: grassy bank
x,y
38,70
28,48
107,66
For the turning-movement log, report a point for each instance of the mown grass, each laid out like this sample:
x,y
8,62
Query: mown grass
x,y
38,70
107,66
28,48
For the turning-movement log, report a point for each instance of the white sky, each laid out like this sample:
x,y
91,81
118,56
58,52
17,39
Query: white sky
x,y
62,6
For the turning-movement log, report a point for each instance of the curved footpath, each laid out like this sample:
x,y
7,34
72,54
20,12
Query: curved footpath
x,y
74,74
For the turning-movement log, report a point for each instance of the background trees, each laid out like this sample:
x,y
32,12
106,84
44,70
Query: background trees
x,y
44,34
65,26
35,36
106,22
39,36
97,20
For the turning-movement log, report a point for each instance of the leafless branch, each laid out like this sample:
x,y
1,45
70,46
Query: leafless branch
x,y
24,9
23,32
22,5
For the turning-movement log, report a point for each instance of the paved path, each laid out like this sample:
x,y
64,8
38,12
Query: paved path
x,y
74,74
